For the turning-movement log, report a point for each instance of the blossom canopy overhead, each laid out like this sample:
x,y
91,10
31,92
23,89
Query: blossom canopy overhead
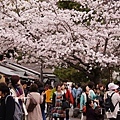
x,y
41,31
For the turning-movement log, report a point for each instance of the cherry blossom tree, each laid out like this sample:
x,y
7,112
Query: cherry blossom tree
x,y
86,40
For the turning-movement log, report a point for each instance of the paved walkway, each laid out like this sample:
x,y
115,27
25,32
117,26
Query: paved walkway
x,y
72,118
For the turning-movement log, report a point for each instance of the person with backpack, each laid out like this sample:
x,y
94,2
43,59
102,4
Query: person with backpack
x,y
7,105
17,92
112,100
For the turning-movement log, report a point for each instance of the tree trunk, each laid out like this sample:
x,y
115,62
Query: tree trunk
x,y
95,76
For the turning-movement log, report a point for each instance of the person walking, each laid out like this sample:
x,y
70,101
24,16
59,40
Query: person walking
x,y
112,90
17,91
78,93
36,114
7,103
83,100
73,91
16,88
48,93
68,97
92,94
41,90
58,97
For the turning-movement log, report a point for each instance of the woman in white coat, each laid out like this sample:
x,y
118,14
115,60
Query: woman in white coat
x,y
36,114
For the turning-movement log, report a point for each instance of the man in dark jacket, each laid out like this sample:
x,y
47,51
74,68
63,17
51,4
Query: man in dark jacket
x,y
7,105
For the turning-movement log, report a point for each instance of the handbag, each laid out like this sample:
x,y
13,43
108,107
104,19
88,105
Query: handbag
x,y
65,104
32,104
84,109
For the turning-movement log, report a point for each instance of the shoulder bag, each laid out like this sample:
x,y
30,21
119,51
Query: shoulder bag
x,y
32,104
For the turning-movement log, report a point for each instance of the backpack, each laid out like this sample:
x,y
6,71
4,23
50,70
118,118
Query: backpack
x,y
32,104
109,107
18,113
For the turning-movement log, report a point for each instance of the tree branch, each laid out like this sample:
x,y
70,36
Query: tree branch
x,y
106,42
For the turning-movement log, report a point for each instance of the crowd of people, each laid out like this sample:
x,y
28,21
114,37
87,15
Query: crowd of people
x,y
88,98
92,101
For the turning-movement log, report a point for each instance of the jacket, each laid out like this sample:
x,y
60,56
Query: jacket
x,y
36,113
48,95
92,94
7,109
69,96
83,100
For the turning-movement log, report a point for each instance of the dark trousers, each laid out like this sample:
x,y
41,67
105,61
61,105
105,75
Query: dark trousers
x,y
112,119
67,114
43,114
48,106
74,105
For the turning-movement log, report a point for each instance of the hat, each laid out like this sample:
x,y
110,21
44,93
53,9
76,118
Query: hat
x,y
14,79
112,86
